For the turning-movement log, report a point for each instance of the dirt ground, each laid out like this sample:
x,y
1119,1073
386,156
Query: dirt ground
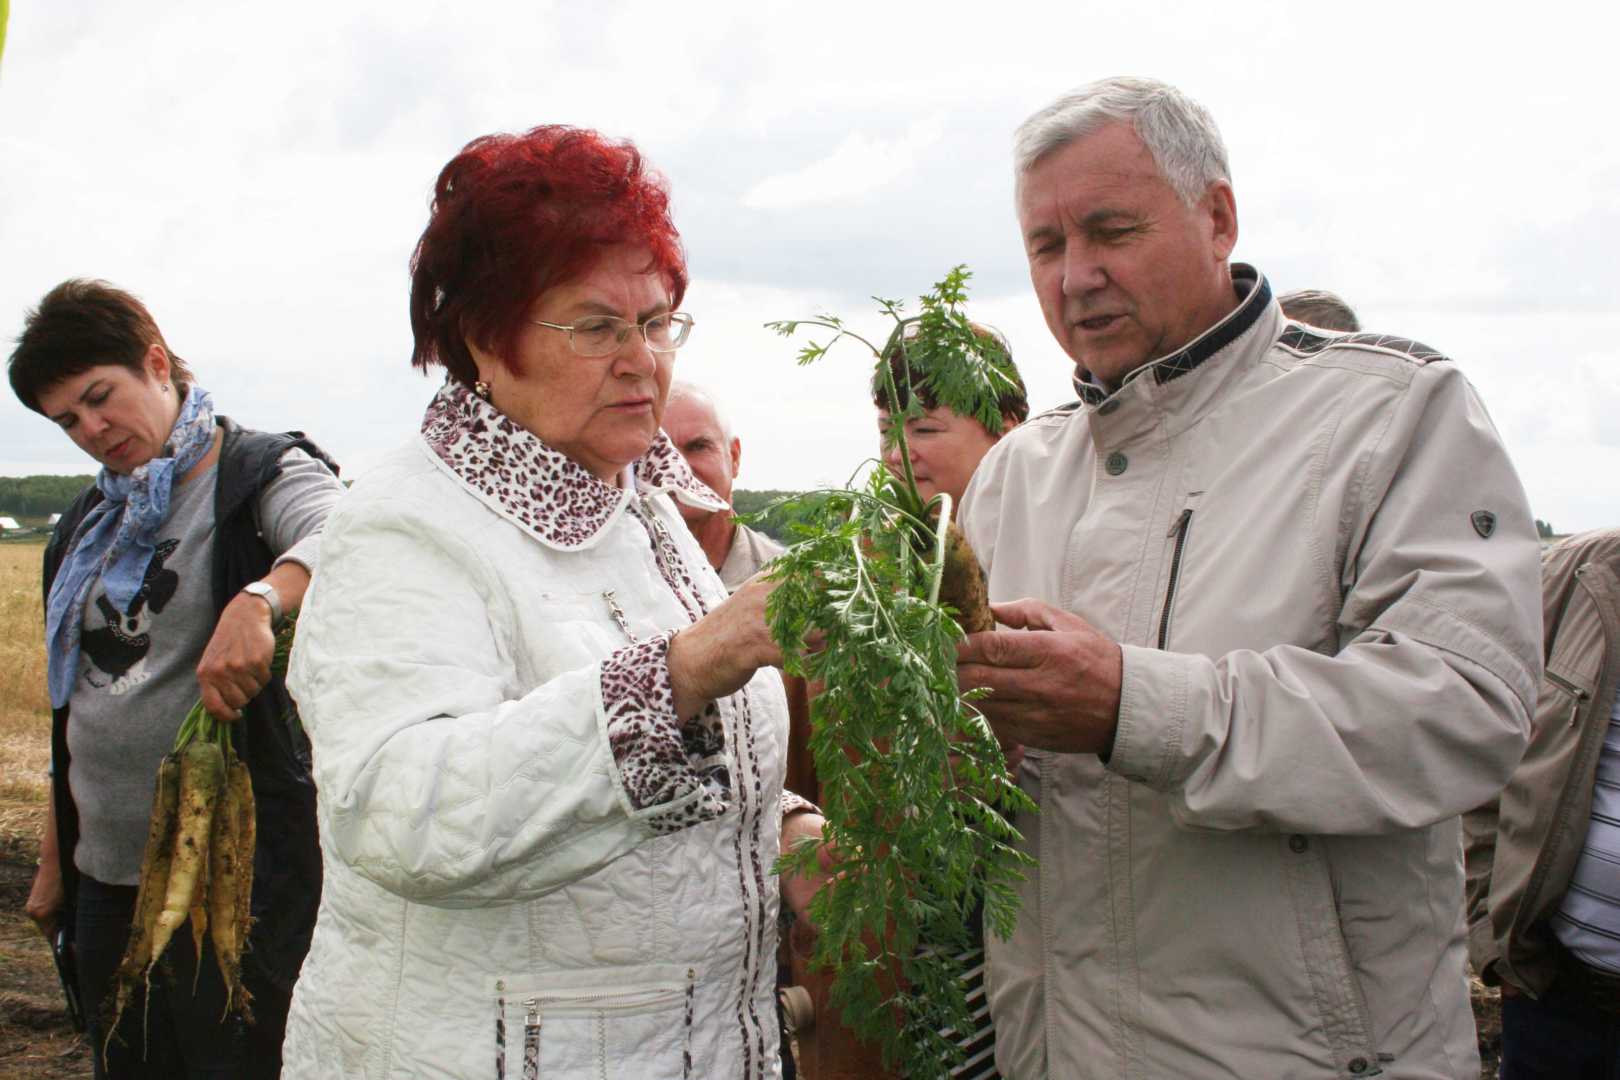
x,y
36,1041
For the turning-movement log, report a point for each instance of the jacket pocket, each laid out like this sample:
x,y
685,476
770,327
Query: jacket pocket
x,y
1577,695
1179,530
595,1023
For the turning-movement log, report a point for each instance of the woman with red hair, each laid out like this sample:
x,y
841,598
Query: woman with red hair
x,y
549,750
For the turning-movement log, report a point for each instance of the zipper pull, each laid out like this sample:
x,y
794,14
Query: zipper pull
x,y
1180,523
531,1039
618,614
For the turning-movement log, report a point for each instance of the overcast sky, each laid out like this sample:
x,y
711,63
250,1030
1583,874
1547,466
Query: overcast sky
x,y
259,173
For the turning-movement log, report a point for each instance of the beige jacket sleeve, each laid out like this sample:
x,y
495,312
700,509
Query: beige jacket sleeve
x,y
1424,710
1480,824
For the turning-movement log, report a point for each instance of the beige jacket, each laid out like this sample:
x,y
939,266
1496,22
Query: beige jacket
x,y
1322,569
750,551
1522,848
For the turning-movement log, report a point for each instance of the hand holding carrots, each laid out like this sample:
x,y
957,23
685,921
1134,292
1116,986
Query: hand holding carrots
x,y
235,664
1054,679
198,864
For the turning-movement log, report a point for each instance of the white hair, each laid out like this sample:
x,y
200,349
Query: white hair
x,y
680,388
1179,133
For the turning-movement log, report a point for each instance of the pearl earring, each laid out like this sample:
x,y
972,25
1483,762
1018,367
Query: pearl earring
x,y
481,388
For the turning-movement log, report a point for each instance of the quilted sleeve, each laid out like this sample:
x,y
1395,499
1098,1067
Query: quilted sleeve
x,y
437,780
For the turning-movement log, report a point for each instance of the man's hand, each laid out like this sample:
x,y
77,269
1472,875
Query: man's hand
x,y
236,663
46,898
1053,678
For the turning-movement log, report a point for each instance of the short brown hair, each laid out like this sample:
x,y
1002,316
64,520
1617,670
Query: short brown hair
x,y
81,324
910,379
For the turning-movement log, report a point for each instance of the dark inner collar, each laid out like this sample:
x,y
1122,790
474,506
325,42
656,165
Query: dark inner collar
x,y
1254,294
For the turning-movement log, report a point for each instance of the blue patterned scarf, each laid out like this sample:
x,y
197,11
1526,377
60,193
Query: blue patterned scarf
x,y
118,537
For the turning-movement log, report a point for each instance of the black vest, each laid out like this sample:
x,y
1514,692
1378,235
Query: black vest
x,y
287,862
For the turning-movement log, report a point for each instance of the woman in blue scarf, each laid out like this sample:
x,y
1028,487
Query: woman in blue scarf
x,y
163,583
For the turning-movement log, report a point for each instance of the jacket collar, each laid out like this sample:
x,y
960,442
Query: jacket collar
x,y
1254,297
541,490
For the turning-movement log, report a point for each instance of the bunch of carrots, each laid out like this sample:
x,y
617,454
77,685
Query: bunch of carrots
x,y
198,863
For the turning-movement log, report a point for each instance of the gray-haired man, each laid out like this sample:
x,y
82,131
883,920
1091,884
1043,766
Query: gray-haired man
x,y
1318,307
1274,623
695,425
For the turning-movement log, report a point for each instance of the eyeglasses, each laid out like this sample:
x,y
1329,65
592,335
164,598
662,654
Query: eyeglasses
x,y
601,335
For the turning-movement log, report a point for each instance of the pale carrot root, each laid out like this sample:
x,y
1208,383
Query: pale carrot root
x,y
963,586
154,882
202,769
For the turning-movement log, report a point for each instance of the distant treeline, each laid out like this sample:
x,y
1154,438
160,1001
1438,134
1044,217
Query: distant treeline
x,y
39,496
778,521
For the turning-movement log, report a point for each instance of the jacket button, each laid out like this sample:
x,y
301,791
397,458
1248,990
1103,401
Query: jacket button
x,y
1116,463
1297,844
1111,405
1358,1065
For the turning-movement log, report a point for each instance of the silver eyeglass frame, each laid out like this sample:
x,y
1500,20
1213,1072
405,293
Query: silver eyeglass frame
x,y
676,318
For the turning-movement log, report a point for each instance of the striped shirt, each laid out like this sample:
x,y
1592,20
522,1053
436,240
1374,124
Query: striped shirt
x,y
1588,919
979,1043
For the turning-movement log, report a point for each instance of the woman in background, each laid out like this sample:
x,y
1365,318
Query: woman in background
x,y
163,582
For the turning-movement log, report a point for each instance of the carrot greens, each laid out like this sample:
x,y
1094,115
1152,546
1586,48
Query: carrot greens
x,y
914,784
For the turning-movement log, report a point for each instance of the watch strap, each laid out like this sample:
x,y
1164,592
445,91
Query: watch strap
x,y
266,592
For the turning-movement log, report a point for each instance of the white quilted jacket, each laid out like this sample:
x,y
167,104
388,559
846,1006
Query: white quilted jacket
x,y
501,899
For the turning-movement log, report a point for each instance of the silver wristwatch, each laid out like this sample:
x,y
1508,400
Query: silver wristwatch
x,y
266,592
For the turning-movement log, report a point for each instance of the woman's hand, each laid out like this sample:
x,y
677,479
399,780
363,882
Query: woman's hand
x,y
720,652
46,897
235,664
799,889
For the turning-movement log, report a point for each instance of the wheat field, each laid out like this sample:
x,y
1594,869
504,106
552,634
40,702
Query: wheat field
x,y
25,719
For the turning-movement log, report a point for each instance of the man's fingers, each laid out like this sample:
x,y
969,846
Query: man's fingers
x,y
1019,614
993,648
1030,614
1006,685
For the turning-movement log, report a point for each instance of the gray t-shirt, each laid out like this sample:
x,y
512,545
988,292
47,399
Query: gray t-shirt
x,y
138,669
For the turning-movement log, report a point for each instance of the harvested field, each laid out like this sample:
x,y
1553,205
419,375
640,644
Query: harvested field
x,y
36,1042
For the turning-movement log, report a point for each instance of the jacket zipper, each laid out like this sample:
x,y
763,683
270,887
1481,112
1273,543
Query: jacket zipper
x,y
1574,692
1179,531
531,1039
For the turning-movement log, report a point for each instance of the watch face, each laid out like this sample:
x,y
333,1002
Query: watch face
x,y
266,592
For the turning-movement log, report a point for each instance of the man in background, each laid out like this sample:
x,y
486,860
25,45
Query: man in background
x,y
1544,856
1318,307
703,436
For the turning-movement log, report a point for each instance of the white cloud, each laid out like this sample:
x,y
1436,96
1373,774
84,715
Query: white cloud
x,y
261,177
860,165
